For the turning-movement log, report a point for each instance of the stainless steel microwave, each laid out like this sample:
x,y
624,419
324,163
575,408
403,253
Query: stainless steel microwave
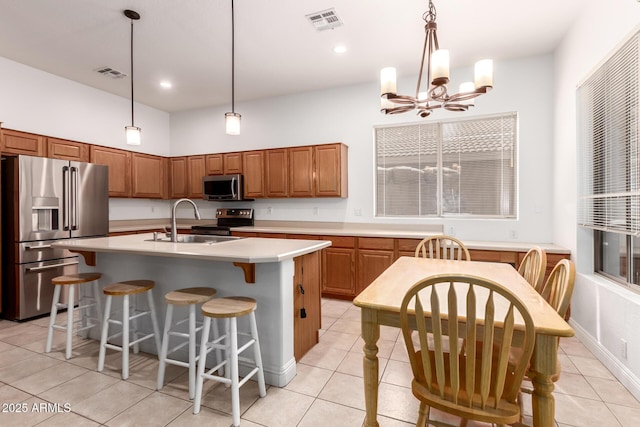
x,y
223,187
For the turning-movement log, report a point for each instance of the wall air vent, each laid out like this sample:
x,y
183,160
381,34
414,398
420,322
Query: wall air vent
x,y
110,72
325,20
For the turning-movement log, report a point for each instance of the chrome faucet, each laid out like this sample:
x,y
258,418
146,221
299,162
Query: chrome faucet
x,y
174,231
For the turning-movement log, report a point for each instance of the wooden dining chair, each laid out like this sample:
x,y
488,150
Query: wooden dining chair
x,y
472,385
442,247
533,267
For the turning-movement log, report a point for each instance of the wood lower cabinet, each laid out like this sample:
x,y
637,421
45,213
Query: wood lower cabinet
x,y
17,142
214,164
232,163
276,172
67,150
301,172
195,172
178,184
253,164
375,254
306,306
119,163
148,176
339,267
330,170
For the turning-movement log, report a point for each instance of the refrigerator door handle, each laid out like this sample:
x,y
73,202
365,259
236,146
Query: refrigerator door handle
x,y
35,248
74,198
65,198
49,267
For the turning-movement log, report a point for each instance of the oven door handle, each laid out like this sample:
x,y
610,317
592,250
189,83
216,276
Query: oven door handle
x,y
48,267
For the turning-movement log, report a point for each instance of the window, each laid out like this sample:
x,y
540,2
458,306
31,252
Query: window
x,y
444,169
609,163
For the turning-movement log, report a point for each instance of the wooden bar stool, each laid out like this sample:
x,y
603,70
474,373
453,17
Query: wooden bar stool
x,y
229,309
190,297
85,302
126,289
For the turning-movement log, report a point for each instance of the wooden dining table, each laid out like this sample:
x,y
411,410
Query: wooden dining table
x,y
380,305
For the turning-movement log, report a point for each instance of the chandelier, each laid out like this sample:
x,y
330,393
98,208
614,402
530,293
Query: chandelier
x,y
437,64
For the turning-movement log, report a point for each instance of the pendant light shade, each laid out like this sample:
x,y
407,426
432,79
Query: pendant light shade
x,y
232,123
133,132
232,119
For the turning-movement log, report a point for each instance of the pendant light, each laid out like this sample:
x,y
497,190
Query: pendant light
x,y
232,119
132,132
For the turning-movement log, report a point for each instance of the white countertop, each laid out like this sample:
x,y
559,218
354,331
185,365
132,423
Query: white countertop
x,y
249,250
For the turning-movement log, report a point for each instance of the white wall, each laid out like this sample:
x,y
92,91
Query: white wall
x,y
603,313
348,114
34,101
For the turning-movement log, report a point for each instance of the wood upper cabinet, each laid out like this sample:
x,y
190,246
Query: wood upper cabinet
x,y
149,178
196,169
232,163
214,164
178,182
301,172
253,164
330,170
67,150
16,142
277,172
119,163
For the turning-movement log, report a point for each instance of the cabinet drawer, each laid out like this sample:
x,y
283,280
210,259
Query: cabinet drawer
x,y
408,245
375,243
304,236
341,241
494,256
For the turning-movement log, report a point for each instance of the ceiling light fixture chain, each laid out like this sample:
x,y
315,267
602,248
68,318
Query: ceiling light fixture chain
x,y
437,74
232,119
132,132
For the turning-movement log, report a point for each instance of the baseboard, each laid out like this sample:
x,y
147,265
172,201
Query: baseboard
x,y
619,370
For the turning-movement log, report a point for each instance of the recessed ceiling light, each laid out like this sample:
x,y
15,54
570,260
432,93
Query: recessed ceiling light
x,y
340,49
166,84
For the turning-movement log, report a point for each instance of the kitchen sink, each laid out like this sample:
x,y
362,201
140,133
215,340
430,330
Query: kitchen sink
x,y
195,238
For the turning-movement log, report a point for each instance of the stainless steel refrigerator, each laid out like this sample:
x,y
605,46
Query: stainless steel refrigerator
x,y
45,200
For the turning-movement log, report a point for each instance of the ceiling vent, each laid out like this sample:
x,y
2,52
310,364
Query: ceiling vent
x,y
325,20
110,72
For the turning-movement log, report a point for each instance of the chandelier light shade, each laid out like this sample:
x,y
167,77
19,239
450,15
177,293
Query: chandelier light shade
x,y
232,119
133,132
435,63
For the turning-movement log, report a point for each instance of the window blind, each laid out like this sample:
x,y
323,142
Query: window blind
x,y
608,165
462,168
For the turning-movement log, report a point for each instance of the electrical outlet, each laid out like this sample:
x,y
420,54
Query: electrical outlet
x,y
513,234
153,209
316,210
623,348
269,210
451,231
357,212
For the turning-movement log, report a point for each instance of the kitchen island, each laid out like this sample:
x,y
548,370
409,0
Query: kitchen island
x,y
268,270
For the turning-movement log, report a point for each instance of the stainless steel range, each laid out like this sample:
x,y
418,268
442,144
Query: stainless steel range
x,y
227,219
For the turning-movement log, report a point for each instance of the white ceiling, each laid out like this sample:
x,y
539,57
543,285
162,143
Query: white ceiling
x,y
277,50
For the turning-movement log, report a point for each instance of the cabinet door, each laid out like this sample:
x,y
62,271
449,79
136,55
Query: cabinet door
x,y
305,329
253,163
301,172
232,163
67,150
214,164
119,163
330,170
148,176
338,272
195,170
277,172
178,184
371,263
16,142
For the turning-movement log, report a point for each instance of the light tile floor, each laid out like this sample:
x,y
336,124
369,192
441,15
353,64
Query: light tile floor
x,y
45,390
